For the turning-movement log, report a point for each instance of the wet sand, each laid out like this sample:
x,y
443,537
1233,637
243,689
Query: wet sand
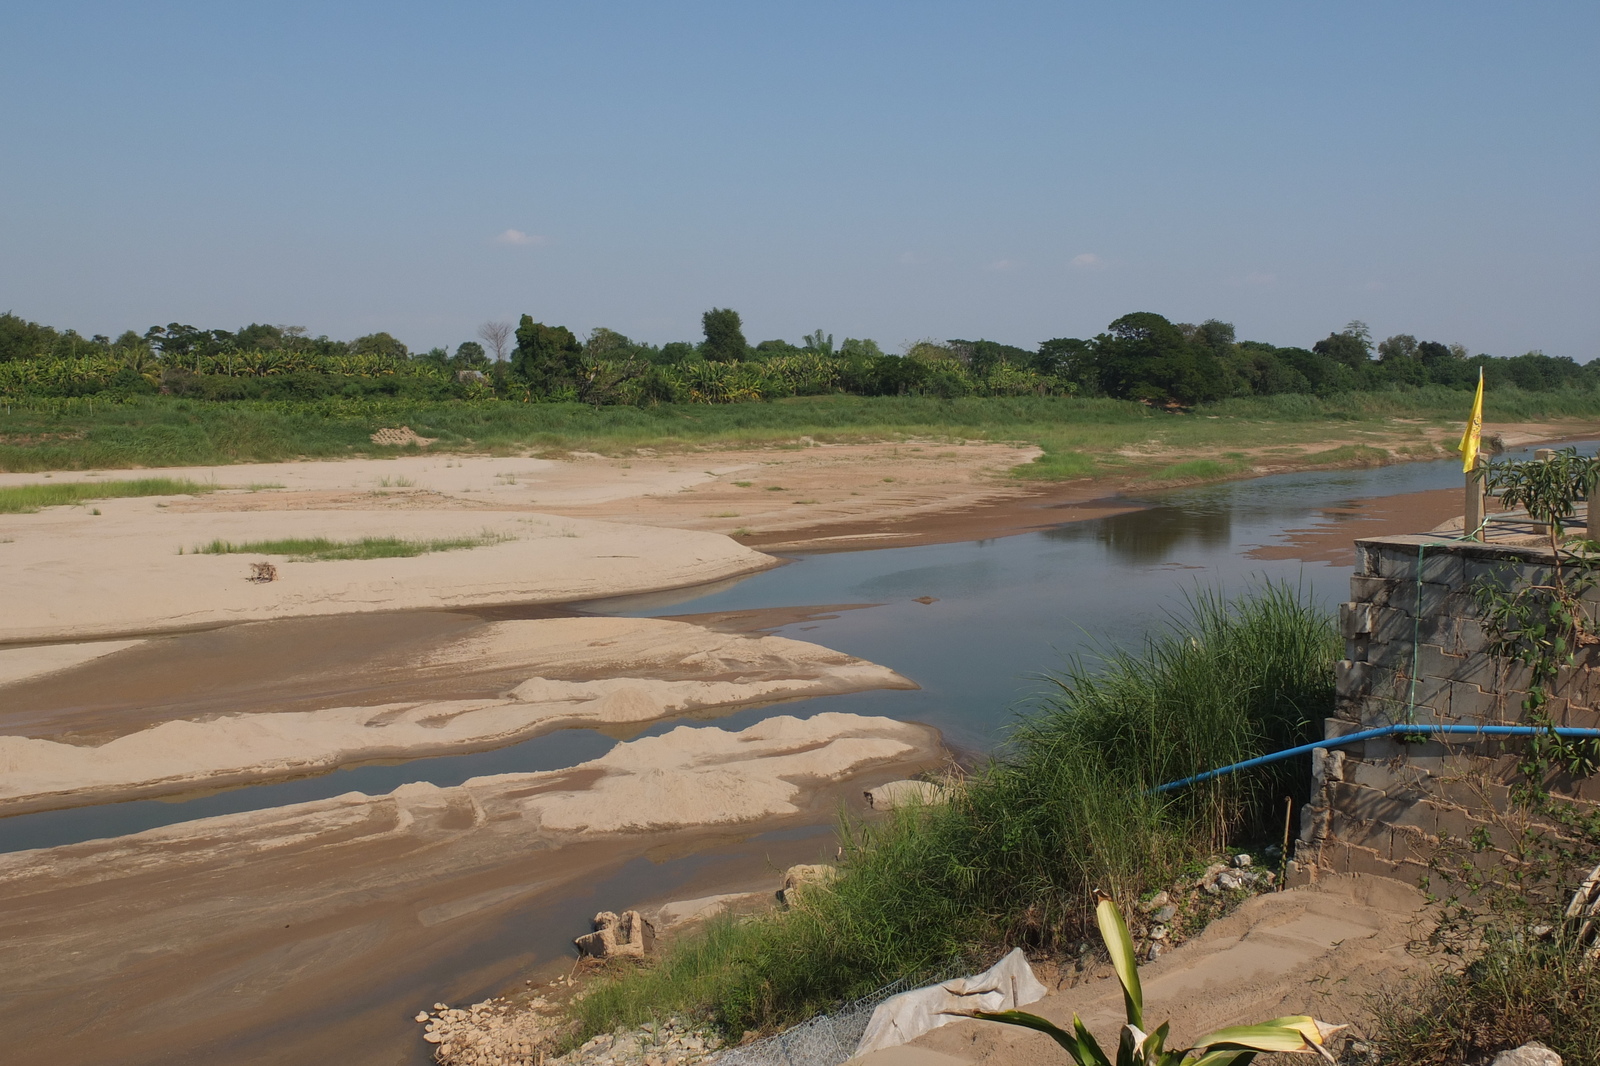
x,y
1333,539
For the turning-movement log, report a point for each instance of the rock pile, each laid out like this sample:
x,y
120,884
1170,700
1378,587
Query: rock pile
x,y
674,1043
491,1033
497,1032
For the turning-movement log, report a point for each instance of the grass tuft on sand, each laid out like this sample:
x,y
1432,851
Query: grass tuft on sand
x,y
1065,808
321,549
27,499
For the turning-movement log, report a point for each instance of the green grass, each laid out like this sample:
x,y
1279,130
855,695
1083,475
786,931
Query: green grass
x,y
320,549
26,499
1079,437
1066,807
1200,470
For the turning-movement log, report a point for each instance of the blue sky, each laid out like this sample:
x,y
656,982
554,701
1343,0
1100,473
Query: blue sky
x,y
1015,171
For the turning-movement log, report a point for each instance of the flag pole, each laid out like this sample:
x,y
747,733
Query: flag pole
x,y
1471,439
1473,521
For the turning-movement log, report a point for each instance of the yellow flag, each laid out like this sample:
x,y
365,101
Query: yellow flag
x,y
1471,437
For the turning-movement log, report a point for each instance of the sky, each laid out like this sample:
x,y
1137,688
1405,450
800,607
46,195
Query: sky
x,y
1012,171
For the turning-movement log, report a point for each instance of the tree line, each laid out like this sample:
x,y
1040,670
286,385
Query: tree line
x,y
1141,356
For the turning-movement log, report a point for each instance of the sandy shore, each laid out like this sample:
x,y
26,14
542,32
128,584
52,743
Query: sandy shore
x,y
228,940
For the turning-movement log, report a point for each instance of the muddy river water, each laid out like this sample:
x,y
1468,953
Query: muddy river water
x,y
975,624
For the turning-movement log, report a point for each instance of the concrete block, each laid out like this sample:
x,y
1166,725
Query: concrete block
x,y
1397,561
1471,705
1392,625
1443,566
1351,679
1354,802
1355,619
1434,661
1367,556
1390,654
1372,590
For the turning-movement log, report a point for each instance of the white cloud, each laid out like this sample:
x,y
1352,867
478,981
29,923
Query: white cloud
x,y
516,236
1088,261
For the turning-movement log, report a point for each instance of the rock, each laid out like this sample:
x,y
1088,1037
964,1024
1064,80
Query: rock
x,y
1242,860
628,936
1165,914
1154,903
894,794
1155,952
1228,881
1532,1053
422,1016
432,1038
797,878
1159,932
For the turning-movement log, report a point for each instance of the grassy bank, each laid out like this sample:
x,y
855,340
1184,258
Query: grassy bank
x,y
1065,808
1080,437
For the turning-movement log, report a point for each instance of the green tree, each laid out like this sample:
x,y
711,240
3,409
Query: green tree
x,y
546,358
21,339
604,343
1145,357
1352,346
724,332
258,336
379,344
818,344
470,356
862,348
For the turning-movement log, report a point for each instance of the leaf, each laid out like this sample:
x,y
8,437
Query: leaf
x,y
1223,1057
1258,1038
1115,933
1128,1047
1079,1044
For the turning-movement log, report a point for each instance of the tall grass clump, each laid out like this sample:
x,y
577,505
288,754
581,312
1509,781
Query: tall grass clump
x,y
1066,806
26,499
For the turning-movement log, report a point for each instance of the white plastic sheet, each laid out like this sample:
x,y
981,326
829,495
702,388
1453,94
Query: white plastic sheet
x,y
1007,984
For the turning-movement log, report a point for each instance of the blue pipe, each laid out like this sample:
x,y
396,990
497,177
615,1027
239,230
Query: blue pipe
x,y
1386,731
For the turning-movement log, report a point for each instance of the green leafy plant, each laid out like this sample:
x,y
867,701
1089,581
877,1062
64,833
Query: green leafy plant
x,y
1542,624
1232,1046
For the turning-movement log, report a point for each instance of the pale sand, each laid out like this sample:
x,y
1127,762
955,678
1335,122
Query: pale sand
x,y
651,668
1320,950
18,664
227,939
70,574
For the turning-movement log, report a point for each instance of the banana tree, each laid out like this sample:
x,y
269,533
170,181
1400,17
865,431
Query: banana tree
x,y
1233,1046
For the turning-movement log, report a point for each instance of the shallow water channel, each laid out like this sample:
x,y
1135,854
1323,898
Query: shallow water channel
x,y
977,624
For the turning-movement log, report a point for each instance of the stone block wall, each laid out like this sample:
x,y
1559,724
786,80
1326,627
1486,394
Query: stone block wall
x,y
1416,652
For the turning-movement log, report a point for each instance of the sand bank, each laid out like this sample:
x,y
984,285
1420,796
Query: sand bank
x,y
578,671
69,573
21,664
226,940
